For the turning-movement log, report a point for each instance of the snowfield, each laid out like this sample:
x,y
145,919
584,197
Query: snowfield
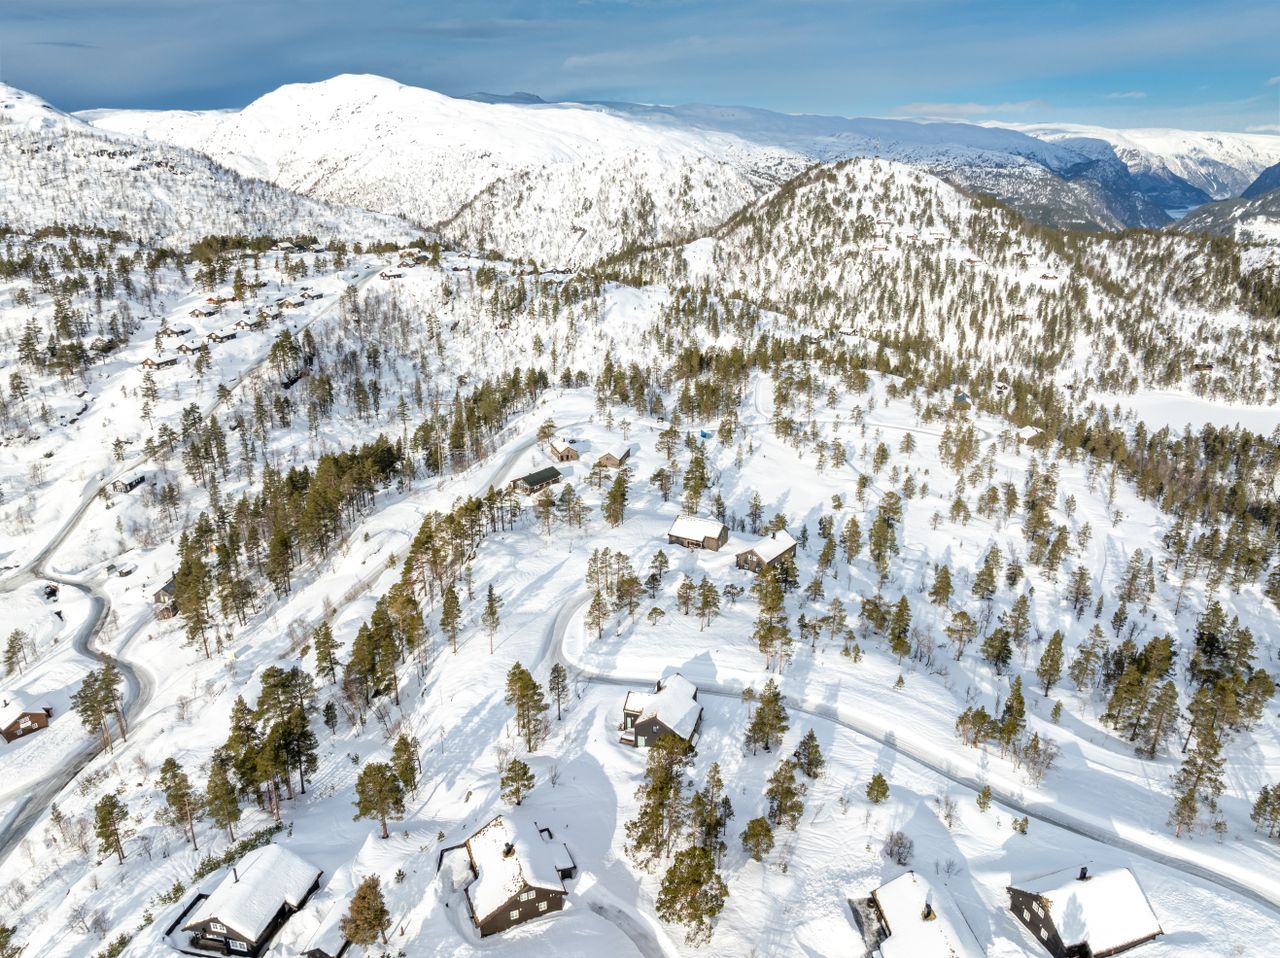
x,y
863,359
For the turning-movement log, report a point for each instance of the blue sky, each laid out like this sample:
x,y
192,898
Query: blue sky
x,y
1139,63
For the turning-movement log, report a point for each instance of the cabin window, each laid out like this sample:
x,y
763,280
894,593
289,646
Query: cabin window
x,y
218,927
515,915
237,945
1044,933
1026,915
1039,910
542,906
528,895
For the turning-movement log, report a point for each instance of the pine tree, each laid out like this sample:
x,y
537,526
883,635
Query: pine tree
x,y
221,799
8,948
1049,670
516,782
757,838
769,722
961,630
877,789
558,686
1266,810
808,755
984,798
379,795
940,593
614,509
692,893
15,652
406,762
490,617
1159,720
663,807
785,795
1013,717
1198,782
710,811
186,805
997,649
708,602
900,629
598,613
451,617
525,696
111,825
367,918
326,650
984,583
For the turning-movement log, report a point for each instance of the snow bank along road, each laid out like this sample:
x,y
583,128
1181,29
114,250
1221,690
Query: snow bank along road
x,y
1241,880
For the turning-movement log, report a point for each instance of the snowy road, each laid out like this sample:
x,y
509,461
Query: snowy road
x,y
1241,881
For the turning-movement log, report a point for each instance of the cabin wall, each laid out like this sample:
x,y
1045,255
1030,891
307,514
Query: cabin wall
x,y
516,912
1030,911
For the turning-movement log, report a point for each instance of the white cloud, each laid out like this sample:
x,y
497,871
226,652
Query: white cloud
x,y
1274,81
1263,128
1128,95
970,109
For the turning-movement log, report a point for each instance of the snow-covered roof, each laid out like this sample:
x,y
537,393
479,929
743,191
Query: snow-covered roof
x,y
20,703
326,922
1028,432
1108,909
944,935
695,527
510,853
772,546
619,450
674,704
268,877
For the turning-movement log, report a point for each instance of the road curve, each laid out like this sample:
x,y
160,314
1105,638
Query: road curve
x,y
935,761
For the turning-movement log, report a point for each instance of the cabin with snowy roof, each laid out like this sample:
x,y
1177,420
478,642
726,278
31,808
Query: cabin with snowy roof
x,y
1079,914
694,532
536,481
157,362
562,449
768,552
520,871
917,920
23,715
252,901
670,709
615,456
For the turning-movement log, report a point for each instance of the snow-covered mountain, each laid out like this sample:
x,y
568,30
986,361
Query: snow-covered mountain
x,y
1268,180
1178,168
59,170
568,183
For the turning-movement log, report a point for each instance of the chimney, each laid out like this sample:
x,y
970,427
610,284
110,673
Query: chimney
x,y
1084,873
508,850
235,874
773,534
927,914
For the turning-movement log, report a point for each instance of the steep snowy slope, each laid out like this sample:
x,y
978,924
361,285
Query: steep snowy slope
x,y
1217,165
1268,180
901,260
59,170
599,178
1256,219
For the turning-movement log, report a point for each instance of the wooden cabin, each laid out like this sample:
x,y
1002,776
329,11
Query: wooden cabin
x,y
252,901
23,715
768,552
670,709
916,920
128,484
562,449
221,335
1075,913
615,457
537,481
520,871
694,532
155,362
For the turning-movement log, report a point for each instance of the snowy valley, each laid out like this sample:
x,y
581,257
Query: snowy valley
x,y
432,527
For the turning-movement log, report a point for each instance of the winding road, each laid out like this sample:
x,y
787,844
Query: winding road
x,y
139,685
1242,882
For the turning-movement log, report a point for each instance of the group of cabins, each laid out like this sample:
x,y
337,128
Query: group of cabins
x,y
562,449
696,532
1071,914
